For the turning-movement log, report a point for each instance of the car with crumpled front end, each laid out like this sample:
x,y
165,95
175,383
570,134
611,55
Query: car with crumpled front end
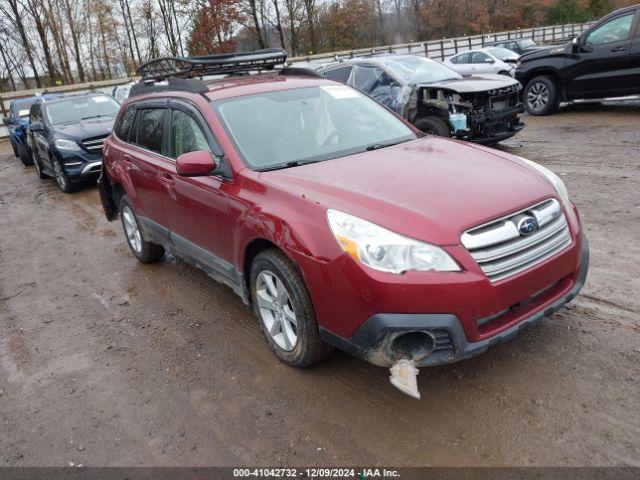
x,y
481,108
339,222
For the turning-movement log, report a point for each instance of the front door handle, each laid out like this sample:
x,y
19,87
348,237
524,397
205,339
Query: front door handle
x,y
619,49
167,180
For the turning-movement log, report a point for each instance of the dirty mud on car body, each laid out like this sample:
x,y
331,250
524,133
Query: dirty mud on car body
x,y
104,361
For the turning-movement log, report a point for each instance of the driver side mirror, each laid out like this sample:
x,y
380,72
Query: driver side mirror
x,y
36,127
195,164
489,60
6,120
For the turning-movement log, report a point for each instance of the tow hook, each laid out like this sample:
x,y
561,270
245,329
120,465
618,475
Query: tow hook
x,y
404,377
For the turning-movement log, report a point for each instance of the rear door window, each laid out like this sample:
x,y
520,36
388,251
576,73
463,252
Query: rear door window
x,y
149,125
339,74
461,59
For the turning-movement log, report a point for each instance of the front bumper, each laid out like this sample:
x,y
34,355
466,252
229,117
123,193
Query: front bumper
x,y
80,165
373,340
493,127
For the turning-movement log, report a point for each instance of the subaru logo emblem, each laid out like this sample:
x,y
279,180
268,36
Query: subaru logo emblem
x,y
527,225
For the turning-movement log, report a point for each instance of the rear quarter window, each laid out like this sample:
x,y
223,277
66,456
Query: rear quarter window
x,y
124,122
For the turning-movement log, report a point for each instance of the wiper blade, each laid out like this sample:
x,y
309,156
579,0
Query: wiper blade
x,y
294,163
378,146
96,116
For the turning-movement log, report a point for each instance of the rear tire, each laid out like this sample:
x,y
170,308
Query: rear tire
x,y
541,96
14,147
284,309
144,251
433,126
25,154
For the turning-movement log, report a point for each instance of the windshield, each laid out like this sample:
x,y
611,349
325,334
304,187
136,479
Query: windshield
x,y
502,53
81,108
527,43
414,70
304,125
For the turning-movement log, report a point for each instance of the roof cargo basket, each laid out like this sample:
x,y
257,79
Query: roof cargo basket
x,y
223,64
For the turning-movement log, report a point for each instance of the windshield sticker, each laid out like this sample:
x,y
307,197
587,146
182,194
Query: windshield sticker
x,y
340,91
23,113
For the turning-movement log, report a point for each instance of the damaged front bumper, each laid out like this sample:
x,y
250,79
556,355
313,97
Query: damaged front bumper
x,y
436,339
492,127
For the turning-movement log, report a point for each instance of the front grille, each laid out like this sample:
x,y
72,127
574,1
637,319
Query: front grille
x,y
501,250
94,145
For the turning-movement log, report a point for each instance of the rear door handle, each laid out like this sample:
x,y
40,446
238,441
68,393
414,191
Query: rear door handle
x,y
619,49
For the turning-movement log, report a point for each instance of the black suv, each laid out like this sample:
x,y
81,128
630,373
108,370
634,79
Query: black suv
x,y
65,136
602,62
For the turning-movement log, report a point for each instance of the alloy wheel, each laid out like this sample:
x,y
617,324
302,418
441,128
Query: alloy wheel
x,y
538,96
132,230
276,310
59,174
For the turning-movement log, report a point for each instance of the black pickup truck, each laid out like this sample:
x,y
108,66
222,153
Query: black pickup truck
x,y
602,62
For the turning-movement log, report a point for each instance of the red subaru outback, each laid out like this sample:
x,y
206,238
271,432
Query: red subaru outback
x,y
339,222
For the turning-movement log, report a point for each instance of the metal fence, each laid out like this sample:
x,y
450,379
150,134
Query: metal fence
x,y
437,49
441,49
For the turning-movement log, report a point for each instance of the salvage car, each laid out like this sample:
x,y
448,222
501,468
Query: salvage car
x,y
602,62
338,221
437,100
17,123
490,60
65,137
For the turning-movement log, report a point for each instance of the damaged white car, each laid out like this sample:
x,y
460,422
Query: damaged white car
x,y
437,100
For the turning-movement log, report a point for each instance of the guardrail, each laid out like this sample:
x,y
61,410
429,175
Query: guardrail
x,y
438,49
441,49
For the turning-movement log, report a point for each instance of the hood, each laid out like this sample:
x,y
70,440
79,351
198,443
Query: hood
x,y
95,127
546,51
431,189
474,84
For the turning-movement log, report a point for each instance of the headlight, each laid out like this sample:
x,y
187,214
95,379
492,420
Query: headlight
x,y
384,250
555,180
68,145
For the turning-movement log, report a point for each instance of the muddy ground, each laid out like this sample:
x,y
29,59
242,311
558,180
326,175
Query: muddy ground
x,y
104,361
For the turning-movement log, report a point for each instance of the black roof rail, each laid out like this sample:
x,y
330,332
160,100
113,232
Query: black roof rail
x,y
227,63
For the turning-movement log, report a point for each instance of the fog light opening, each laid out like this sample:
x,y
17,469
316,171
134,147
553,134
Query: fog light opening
x,y
413,345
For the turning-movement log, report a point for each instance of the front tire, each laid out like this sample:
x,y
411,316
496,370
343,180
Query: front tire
x,y
144,251
433,126
62,178
25,154
283,306
39,172
541,96
14,147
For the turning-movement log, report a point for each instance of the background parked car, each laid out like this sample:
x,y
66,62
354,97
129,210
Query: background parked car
x,y
434,98
66,134
121,92
520,46
17,123
602,62
484,61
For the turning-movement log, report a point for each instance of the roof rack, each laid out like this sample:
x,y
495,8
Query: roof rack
x,y
229,63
